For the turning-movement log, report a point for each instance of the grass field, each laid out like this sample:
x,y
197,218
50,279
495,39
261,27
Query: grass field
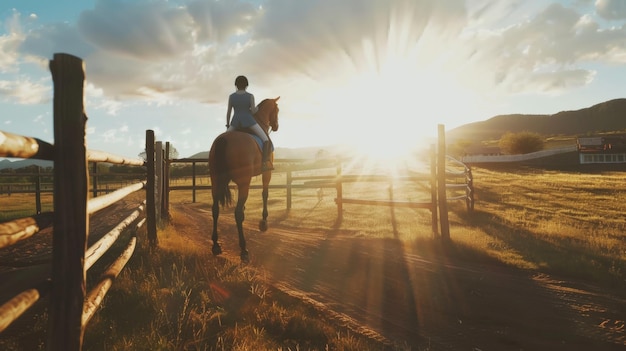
x,y
566,224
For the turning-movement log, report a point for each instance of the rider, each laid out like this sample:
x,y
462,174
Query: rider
x,y
242,102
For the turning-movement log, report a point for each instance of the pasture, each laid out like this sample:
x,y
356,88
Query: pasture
x,y
565,223
567,226
563,227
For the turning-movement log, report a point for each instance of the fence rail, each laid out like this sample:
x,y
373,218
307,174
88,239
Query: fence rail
x,y
70,307
443,178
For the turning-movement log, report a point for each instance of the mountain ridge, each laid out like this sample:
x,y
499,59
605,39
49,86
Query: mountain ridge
x,y
608,116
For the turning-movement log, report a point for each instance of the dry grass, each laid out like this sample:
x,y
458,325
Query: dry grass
x,y
562,223
182,298
19,205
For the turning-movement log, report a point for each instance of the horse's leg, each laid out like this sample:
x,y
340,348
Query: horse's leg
x,y
265,194
242,197
215,210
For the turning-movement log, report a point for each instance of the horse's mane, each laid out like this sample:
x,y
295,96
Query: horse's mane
x,y
262,102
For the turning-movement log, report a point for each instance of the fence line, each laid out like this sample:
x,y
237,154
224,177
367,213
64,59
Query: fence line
x,y
71,307
38,187
437,180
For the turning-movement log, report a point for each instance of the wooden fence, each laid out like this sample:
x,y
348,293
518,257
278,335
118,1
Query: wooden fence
x,y
443,179
71,306
42,183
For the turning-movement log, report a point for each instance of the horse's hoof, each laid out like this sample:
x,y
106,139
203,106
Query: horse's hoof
x,y
245,257
216,249
263,225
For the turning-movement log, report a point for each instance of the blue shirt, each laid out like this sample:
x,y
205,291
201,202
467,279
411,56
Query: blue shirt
x,y
242,105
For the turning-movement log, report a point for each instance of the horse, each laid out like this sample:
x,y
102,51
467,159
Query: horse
x,y
236,156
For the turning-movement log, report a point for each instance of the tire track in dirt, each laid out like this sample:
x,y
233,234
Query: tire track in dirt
x,y
382,289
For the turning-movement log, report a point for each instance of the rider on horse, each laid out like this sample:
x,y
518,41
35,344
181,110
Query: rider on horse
x,y
242,102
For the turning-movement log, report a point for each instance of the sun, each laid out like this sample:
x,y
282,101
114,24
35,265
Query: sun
x,y
387,94
390,112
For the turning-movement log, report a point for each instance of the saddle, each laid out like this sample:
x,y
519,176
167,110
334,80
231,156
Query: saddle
x,y
259,141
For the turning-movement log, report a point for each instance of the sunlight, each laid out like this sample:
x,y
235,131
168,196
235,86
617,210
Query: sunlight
x,y
391,112
388,96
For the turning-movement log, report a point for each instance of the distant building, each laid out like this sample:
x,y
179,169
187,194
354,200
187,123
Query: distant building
x,y
602,149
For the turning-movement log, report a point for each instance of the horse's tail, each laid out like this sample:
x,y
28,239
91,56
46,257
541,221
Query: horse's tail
x,y
222,176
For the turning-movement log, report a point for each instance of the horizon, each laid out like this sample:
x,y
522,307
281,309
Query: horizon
x,y
355,72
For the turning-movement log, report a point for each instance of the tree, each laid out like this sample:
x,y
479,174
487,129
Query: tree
x,y
458,147
521,143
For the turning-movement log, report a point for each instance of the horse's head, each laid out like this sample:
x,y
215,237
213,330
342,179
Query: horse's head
x,y
267,113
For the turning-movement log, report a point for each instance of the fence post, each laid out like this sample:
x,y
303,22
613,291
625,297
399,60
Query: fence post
x,y
94,179
441,176
38,190
433,190
166,183
158,168
71,221
469,192
339,185
193,181
289,181
150,196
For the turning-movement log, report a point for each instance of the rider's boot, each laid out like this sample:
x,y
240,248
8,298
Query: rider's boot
x,y
266,165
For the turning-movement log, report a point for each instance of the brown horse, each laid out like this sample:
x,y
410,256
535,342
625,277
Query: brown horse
x,y
236,156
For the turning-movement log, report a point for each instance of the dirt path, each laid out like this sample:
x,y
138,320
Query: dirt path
x,y
381,288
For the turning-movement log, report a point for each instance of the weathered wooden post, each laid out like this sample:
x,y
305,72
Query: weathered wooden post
x,y
469,192
441,187
166,183
289,181
71,221
94,180
150,195
38,190
158,169
193,181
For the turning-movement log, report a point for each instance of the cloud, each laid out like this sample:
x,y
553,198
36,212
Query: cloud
x,y
143,30
217,21
24,91
611,9
44,42
8,52
548,52
301,35
9,44
165,51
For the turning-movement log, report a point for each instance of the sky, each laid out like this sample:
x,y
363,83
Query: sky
x,y
362,72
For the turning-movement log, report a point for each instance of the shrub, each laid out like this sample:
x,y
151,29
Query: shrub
x,y
521,143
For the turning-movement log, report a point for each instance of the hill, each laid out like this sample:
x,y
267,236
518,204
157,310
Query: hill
x,y
19,163
608,116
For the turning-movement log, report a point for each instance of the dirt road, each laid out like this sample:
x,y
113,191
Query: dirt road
x,y
381,288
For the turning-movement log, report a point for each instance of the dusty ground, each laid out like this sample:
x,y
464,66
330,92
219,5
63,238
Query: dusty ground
x,y
383,289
